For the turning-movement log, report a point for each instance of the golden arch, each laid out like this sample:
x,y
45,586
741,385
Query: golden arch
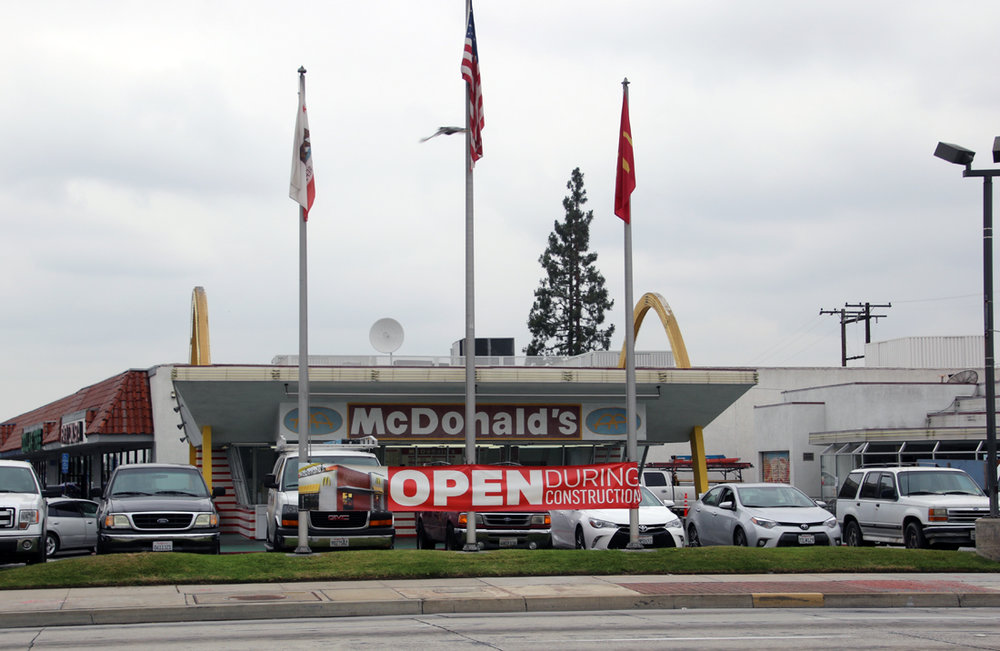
x,y
201,355
652,300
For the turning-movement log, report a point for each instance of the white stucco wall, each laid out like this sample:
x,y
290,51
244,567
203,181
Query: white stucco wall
x,y
737,432
167,446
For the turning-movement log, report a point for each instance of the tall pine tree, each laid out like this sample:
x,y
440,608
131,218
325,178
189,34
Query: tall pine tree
x,y
571,299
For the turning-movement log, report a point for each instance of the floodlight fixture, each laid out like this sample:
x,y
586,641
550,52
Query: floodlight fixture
x,y
957,154
996,149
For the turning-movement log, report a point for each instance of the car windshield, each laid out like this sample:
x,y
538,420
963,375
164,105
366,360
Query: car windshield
x,y
937,482
131,482
648,499
773,496
17,479
290,480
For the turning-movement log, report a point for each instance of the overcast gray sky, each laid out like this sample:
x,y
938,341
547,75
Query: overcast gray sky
x,y
783,154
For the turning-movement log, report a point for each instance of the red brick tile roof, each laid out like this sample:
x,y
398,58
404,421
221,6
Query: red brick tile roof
x,y
118,405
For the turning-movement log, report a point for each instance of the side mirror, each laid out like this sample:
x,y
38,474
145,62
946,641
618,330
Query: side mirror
x,y
269,481
218,491
729,506
53,491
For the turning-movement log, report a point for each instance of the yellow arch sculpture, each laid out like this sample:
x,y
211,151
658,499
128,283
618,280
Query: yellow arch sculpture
x,y
201,355
654,301
651,300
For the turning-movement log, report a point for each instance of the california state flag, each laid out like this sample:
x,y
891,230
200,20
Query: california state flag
x,y
303,187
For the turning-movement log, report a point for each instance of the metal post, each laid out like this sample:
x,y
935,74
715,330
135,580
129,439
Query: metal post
x,y
470,318
303,424
991,415
631,416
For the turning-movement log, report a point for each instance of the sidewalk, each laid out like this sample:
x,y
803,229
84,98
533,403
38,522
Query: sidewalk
x,y
174,603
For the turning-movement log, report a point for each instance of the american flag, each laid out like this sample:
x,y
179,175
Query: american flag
x,y
470,73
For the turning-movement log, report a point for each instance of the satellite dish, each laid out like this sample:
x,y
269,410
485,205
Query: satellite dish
x,y
964,377
386,335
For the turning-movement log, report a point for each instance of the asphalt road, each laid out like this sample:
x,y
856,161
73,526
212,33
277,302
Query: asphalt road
x,y
773,629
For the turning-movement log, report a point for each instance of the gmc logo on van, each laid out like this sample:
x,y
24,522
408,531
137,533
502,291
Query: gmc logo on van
x,y
338,518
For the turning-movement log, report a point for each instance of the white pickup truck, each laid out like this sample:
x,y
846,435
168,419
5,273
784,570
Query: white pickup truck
x,y
347,508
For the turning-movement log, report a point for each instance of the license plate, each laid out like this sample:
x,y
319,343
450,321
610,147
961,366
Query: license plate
x,y
645,540
508,542
807,539
163,545
340,541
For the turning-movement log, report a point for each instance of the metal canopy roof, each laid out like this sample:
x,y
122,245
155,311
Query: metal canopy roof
x,y
241,403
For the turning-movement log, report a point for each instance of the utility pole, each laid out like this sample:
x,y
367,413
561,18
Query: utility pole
x,y
852,313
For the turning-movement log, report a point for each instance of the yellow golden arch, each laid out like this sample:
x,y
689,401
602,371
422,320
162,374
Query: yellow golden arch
x,y
654,301
201,355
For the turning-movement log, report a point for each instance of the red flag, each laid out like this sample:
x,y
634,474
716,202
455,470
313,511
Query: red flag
x,y
302,188
470,73
625,174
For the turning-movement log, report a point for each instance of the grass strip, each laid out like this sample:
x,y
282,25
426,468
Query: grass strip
x,y
177,568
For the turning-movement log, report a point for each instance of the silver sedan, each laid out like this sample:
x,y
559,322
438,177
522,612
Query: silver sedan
x,y
760,515
72,524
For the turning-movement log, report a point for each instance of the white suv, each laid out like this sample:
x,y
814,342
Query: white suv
x,y
917,506
22,514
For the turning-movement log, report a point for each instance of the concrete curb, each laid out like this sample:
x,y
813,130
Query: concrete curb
x,y
540,604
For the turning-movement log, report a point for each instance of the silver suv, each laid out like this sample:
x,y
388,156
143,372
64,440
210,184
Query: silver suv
x,y
917,506
22,514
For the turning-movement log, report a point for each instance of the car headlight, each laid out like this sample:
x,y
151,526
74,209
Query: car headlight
x,y
831,523
763,522
541,519
601,524
117,521
206,520
27,518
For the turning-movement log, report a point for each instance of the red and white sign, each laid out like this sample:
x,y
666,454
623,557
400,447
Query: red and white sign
x,y
513,488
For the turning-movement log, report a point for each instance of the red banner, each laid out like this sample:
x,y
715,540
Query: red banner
x,y
513,488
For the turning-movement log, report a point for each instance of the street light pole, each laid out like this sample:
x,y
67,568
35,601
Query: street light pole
x,y
962,156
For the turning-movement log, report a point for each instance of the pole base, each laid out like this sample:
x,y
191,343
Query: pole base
x,y
634,547
470,547
302,551
988,538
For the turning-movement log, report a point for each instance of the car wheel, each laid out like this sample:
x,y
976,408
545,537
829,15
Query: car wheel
x,y
913,536
693,539
739,538
39,556
423,540
852,534
272,542
51,544
451,540
580,541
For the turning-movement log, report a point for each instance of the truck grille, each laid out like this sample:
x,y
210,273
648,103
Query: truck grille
x,y
6,518
161,520
966,515
338,520
506,520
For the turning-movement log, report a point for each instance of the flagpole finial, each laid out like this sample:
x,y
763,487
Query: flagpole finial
x,y
302,70
625,82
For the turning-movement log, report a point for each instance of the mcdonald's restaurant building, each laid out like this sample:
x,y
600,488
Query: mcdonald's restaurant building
x,y
226,419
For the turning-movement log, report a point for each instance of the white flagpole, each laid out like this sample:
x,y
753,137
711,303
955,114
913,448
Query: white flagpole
x,y
470,315
303,423
630,401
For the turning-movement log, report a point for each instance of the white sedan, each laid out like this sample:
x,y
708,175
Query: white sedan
x,y
760,515
609,528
